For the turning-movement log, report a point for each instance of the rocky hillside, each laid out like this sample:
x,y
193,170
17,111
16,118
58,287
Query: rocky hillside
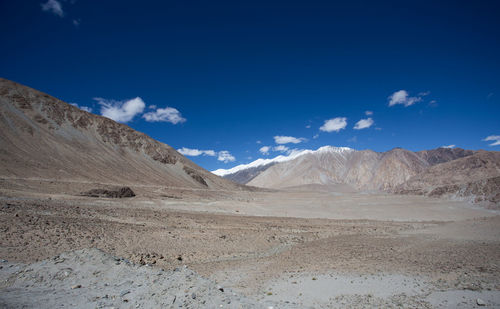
x,y
42,137
441,155
475,178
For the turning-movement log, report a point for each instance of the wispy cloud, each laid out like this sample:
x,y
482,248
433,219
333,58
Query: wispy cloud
x,y
334,124
494,138
402,97
54,7
121,111
225,156
363,124
288,139
448,146
167,114
368,113
196,152
83,108
281,148
265,150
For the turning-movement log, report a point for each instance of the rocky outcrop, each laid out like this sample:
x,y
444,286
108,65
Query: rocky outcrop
x,y
113,193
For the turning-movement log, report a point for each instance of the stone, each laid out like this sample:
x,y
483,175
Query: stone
x,y
123,293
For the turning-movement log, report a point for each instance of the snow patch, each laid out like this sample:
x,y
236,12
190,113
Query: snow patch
x,y
295,154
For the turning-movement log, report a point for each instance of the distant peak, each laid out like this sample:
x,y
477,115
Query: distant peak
x,y
281,158
333,149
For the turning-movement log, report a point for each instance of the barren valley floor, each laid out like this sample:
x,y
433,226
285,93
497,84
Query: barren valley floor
x,y
288,248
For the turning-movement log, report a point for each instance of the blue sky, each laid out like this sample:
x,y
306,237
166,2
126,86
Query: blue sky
x,y
227,78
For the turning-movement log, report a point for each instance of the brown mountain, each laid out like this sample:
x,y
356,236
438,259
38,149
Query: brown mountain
x,y
395,167
451,173
332,165
326,165
441,155
475,178
42,137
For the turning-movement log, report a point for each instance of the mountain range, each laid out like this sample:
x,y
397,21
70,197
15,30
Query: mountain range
x,y
453,173
45,139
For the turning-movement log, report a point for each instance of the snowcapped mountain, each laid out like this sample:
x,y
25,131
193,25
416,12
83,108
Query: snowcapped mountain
x,y
244,173
457,173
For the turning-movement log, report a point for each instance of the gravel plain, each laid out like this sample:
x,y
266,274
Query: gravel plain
x,y
160,247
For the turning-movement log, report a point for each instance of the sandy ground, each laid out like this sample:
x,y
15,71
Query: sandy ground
x,y
296,248
90,278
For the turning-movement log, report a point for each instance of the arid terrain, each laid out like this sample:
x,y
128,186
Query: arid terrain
x,y
345,252
182,237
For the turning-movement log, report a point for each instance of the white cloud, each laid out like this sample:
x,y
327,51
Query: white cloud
x,y
308,126
121,111
494,138
281,148
334,124
363,124
83,108
167,114
316,136
77,22
288,139
368,113
225,156
196,152
258,142
402,97
54,7
424,93
265,150
448,146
